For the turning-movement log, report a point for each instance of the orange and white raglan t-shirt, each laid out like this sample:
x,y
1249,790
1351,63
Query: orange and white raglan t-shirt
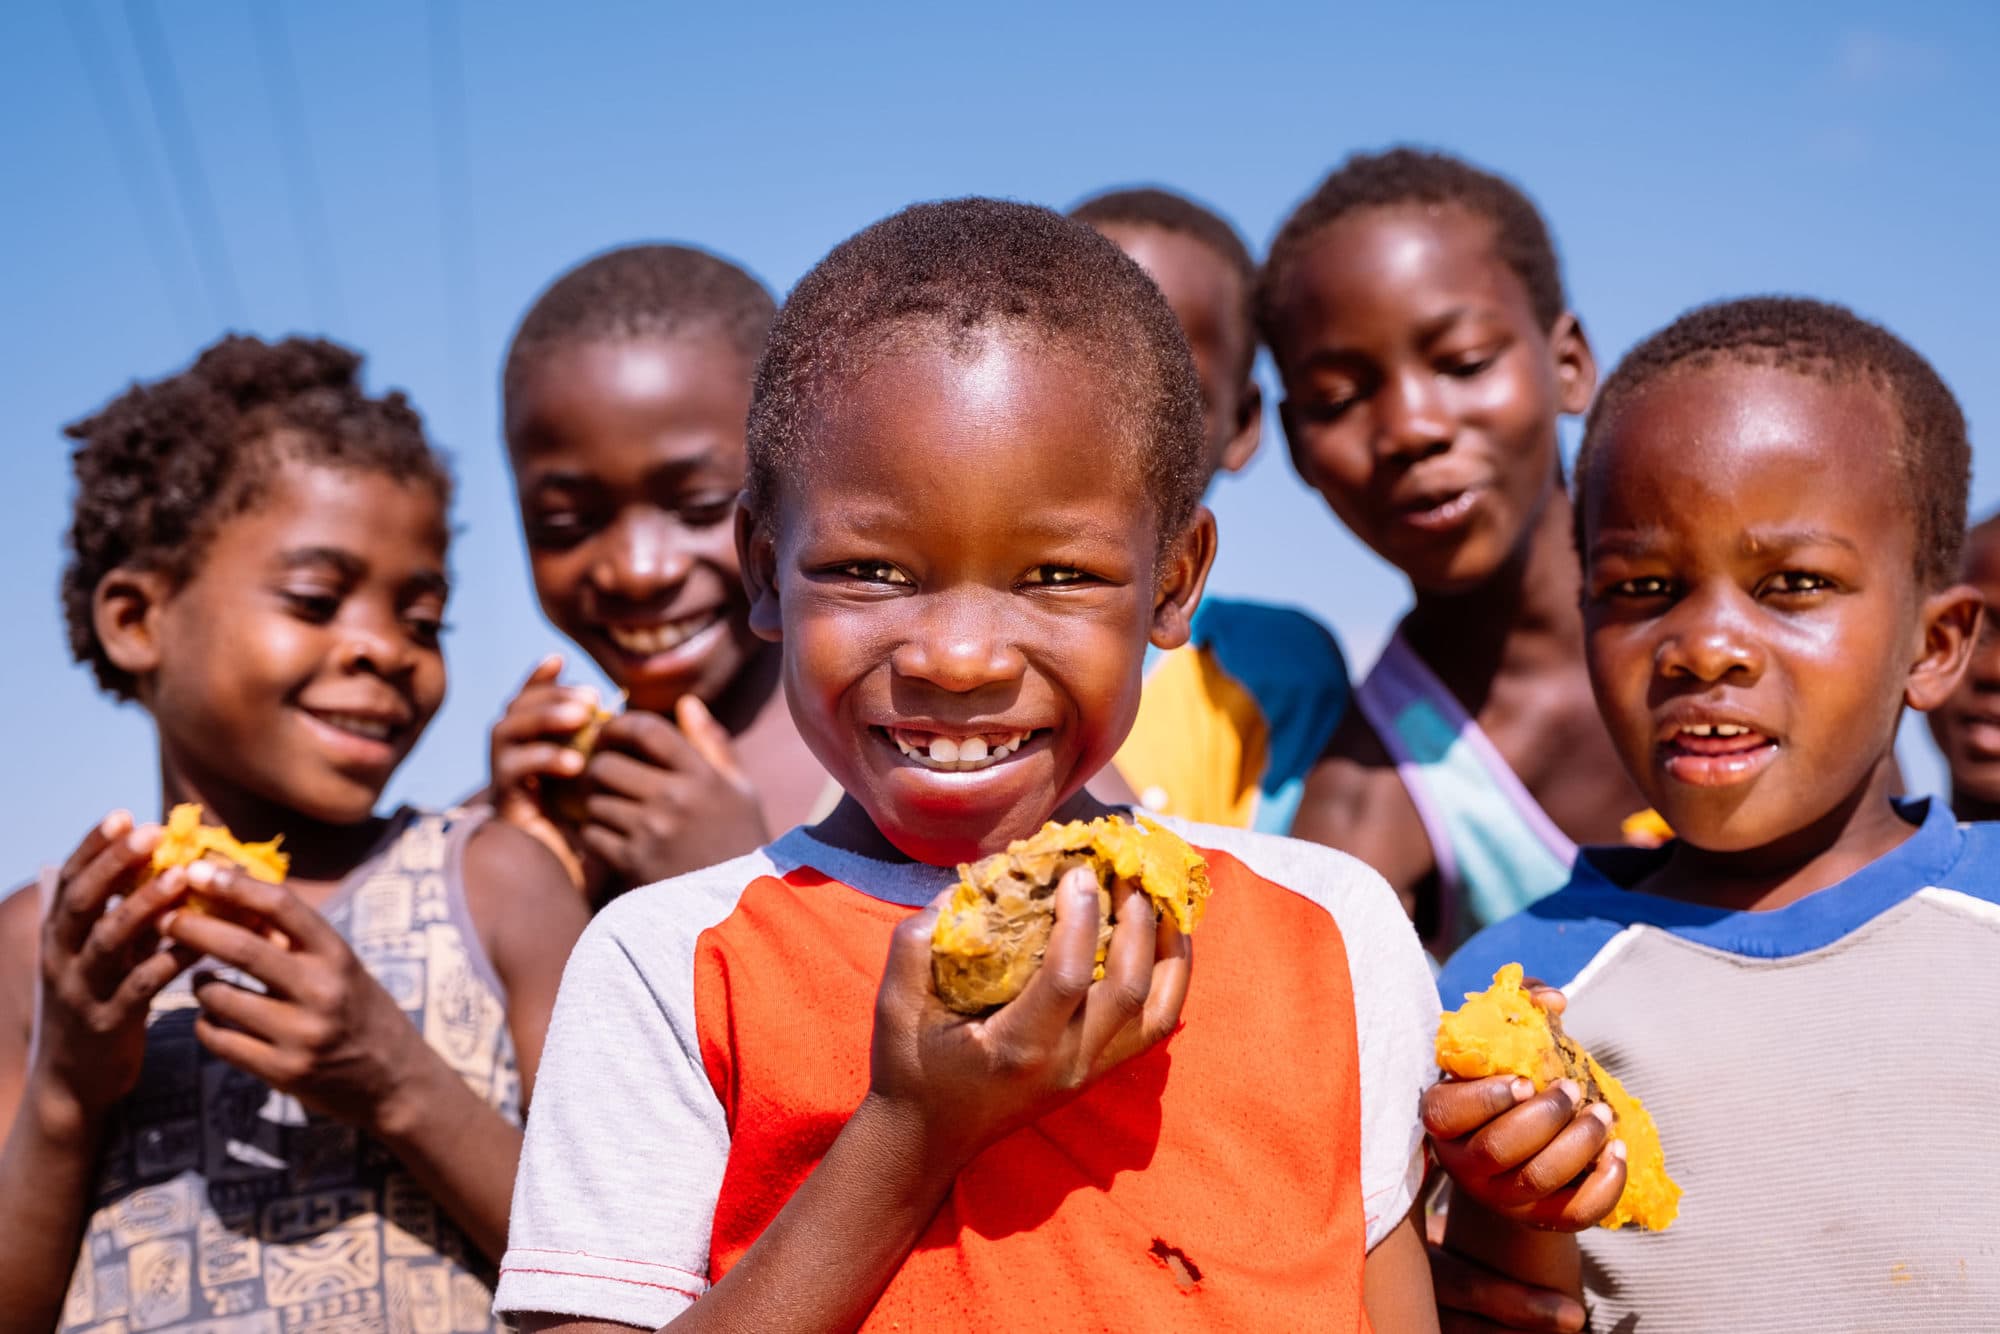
x,y
712,1037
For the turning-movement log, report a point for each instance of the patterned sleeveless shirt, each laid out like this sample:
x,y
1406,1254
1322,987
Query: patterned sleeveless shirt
x,y
223,1207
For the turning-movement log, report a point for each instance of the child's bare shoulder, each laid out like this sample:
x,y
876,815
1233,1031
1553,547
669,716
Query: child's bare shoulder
x,y
20,946
517,892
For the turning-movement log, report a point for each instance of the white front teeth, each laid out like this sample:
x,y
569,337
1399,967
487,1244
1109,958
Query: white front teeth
x,y
957,754
372,728
1716,729
647,640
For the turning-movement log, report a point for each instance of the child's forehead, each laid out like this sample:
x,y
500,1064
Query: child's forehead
x,y
612,406
1407,262
1698,445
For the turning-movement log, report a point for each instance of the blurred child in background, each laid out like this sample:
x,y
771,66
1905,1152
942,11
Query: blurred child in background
x,y
625,392
1771,510
1967,726
1229,725
1415,309
321,1125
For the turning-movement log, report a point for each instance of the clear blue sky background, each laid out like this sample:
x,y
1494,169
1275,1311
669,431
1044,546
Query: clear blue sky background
x,y
406,176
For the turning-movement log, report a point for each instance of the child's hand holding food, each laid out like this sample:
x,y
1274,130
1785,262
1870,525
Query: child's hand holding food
x,y
102,963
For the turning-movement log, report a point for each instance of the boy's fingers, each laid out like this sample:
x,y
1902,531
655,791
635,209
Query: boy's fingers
x,y
81,899
1541,993
709,738
649,737
149,977
275,904
545,672
1513,1137
1478,1298
1173,966
546,711
251,1055
1584,1205
107,951
1036,1020
908,970
1455,1107
1568,1156
244,1010
513,765
112,827
1119,998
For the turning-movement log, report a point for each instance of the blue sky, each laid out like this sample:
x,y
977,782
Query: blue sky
x,y
405,177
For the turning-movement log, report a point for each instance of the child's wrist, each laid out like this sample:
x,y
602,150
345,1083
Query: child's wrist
x,y
899,1135
406,1113
60,1116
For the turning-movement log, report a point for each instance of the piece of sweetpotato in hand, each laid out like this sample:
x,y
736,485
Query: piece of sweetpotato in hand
x,y
187,840
1501,1031
991,938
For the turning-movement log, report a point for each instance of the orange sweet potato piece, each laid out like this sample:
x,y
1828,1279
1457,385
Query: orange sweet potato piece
x,y
991,938
564,797
1501,1031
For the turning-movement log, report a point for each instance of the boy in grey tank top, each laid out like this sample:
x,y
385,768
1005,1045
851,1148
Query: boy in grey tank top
x,y
1771,506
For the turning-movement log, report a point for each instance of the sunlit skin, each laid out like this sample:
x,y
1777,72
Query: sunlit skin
x,y
938,573
1750,564
1422,399
627,457
1208,298
325,601
1967,726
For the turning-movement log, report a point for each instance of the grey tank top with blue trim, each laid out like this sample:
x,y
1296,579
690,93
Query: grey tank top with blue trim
x,y
223,1207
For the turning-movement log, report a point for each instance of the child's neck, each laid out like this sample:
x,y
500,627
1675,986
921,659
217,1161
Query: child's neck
x,y
321,854
1860,830
1524,618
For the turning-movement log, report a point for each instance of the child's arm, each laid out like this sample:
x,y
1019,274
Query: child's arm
x,y
328,1034
1355,801
528,746
942,1087
66,1062
1396,1281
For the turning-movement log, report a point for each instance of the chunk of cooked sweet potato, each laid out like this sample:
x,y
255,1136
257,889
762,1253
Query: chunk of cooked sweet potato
x,y
991,938
1501,1031
564,797
187,840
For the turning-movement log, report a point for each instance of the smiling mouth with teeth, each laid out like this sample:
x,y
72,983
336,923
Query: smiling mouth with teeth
x,y
646,641
957,754
361,725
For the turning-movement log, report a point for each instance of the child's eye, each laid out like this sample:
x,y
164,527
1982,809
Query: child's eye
x,y
1465,368
1646,586
707,513
874,572
1325,411
426,630
1796,582
1056,576
318,608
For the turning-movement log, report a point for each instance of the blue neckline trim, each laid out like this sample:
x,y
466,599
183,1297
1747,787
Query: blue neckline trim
x,y
1598,889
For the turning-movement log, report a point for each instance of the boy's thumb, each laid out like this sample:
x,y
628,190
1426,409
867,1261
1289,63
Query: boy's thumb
x,y
547,670
709,738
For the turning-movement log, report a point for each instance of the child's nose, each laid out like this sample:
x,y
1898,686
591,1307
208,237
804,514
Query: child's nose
x,y
960,649
641,557
1411,414
1707,639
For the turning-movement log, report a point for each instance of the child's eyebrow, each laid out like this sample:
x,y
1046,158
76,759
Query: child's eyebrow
x,y
1763,542
346,563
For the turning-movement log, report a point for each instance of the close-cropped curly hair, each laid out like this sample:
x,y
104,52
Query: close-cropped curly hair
x,y
1413,176
643,291
956,272
1932,452
1150,206
161,466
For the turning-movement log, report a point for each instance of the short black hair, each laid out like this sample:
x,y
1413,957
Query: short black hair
x,y
161,466
644,291
1164,210
1406,175
954,270
1832,343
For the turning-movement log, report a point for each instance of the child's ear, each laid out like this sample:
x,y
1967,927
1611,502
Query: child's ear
x,y
1183,574
758,556
1576,365
1242,446
1951,628
125,611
